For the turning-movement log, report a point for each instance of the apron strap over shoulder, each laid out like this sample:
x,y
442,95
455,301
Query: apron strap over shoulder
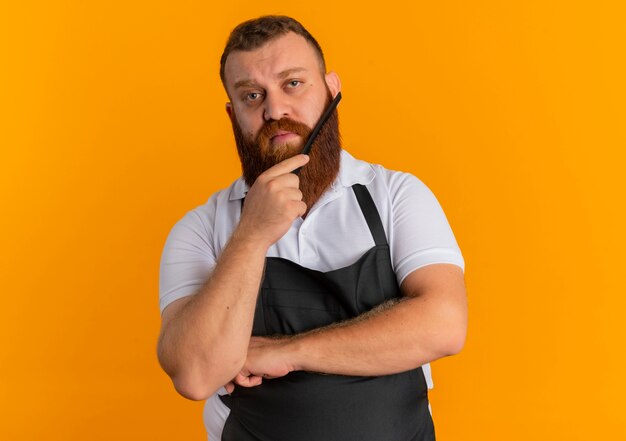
x,y
370,213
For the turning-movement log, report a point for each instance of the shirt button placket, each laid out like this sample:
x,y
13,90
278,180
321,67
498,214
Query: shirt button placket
x,y
302,244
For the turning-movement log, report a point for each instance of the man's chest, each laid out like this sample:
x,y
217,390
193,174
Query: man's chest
x,y
334,234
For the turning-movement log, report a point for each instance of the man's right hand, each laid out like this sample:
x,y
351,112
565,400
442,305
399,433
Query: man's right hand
x,y
273,202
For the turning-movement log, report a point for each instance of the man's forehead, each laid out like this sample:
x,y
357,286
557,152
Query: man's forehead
x,y
276,59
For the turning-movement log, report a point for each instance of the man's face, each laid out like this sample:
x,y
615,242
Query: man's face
x,y
281,80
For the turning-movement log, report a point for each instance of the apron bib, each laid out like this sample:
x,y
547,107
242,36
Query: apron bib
x,y
307,406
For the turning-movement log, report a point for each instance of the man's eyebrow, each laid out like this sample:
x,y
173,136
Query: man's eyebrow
x,y
281,75
245,83
285,73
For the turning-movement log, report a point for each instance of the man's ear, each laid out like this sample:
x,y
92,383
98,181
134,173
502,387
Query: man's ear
x,y
229,110
333,82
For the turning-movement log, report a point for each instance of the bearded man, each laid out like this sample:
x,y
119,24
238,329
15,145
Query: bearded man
x,y
307,306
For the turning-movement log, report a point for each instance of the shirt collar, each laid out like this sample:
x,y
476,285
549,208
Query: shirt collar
x,y
351,171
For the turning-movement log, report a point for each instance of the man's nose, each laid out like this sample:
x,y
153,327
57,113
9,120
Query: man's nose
x,y
276,107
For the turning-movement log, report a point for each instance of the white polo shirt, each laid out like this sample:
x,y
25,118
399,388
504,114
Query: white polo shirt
x,y
334,234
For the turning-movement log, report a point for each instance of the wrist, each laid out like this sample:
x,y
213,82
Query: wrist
x,y
295,348
253,243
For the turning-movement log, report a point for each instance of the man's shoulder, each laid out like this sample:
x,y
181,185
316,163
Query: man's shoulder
x,y
359,171
386,178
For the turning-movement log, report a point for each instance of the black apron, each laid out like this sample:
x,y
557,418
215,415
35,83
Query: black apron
x,y
306,406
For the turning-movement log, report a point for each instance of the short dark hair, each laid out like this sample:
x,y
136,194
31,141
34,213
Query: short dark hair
x,y
254,33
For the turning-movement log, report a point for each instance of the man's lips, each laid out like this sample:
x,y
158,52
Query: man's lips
x,y
282,136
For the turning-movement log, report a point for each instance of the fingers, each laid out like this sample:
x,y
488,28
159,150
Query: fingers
x,y
247,380
273,202
287,166
292,194
230,387
281,182
300,208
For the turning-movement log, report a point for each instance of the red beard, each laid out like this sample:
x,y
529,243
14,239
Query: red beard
x,y
316,176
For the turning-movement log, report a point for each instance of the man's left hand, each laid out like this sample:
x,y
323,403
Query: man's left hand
x,y
267,358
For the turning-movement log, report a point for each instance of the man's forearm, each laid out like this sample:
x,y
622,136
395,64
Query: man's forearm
x,y
428,324
397,338
205,344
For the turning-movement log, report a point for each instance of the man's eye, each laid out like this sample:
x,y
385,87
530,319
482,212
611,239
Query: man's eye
x,y
251,97
294,83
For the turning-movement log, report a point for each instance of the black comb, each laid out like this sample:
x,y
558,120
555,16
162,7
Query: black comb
x,y
316,130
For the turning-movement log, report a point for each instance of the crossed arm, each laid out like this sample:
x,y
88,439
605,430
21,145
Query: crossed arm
x,y
428,323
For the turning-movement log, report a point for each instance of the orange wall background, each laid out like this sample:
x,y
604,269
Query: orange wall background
x,y
112,126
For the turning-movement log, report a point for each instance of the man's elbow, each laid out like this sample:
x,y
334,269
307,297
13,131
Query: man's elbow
x,y
198,381
453,331
193,390
455,341
197,387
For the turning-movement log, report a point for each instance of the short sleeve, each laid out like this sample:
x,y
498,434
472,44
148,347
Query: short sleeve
x,y
421,234
188,257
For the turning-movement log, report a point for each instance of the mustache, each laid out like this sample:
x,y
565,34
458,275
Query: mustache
x,y
273,127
